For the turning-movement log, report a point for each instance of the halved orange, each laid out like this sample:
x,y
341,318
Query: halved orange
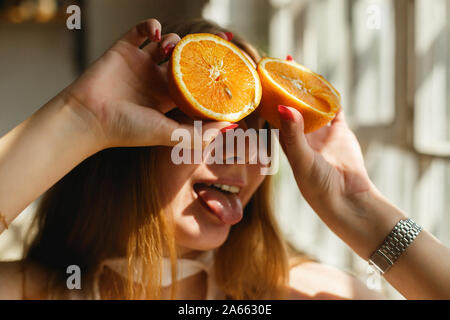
x,y
291,84
211,78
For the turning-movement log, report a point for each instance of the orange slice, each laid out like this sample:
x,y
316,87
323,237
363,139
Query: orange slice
x,y
291,84
211,78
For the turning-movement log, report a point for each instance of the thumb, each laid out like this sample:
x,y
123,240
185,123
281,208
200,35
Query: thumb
x,y
137,125
196,136
294,143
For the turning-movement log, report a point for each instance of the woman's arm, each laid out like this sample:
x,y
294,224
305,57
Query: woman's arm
x,y
329,170
422,271
40,151
316,281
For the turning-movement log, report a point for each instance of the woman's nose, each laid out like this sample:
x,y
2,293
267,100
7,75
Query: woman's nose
x,y
240,146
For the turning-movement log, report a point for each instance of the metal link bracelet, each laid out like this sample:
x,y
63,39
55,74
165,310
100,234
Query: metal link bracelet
x,y
403,234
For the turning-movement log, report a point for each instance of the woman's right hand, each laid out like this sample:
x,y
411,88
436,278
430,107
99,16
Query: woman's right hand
x,y
123,96
120,101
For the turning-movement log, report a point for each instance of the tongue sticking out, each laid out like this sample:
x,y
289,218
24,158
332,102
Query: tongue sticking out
x,y
226,206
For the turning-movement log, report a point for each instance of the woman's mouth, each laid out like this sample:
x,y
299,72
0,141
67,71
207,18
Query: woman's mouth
x,y
221,200
225,187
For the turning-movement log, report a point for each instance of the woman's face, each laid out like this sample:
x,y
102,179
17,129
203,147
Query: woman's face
x,y
202,213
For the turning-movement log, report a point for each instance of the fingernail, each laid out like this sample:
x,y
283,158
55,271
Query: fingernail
x,y
229,35
232,126
168,49
285,113
157,35
289,58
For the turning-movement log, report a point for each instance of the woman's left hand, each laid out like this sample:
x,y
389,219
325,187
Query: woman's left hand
x,y
329,170
327,162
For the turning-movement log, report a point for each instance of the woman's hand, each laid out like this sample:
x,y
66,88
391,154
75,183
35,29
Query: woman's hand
x,y
327,162
124,95
329,170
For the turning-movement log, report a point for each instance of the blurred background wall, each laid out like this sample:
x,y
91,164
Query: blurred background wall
x,y
389,59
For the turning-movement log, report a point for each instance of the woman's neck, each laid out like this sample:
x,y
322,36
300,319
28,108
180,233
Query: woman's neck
x,y
191,288
186,253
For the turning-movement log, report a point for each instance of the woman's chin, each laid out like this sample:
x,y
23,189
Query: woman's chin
x,y
201,236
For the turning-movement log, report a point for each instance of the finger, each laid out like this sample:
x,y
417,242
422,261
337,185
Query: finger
x,y
147,29
148,127
197,136
166,103
227,35
294,143
222,35
169,42
340,117
162,50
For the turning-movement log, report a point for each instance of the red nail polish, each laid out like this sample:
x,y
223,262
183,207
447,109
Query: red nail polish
x,y
168,49
289,58
232,126
229,35
158,35
285,113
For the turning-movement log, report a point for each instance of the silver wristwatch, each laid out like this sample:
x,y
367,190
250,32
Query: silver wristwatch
x,y
403,234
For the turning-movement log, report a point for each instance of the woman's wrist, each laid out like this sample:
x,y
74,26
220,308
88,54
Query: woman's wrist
x,y
83,121
362,220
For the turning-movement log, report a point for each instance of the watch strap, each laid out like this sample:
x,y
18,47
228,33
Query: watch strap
x,y
401,236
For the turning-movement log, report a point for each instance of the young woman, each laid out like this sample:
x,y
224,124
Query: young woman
x,y
139,226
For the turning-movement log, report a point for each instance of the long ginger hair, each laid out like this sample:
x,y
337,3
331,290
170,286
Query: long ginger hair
x,y
109,206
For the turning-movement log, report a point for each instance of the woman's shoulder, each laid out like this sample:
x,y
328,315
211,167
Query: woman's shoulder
x,y
313,280
23,279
